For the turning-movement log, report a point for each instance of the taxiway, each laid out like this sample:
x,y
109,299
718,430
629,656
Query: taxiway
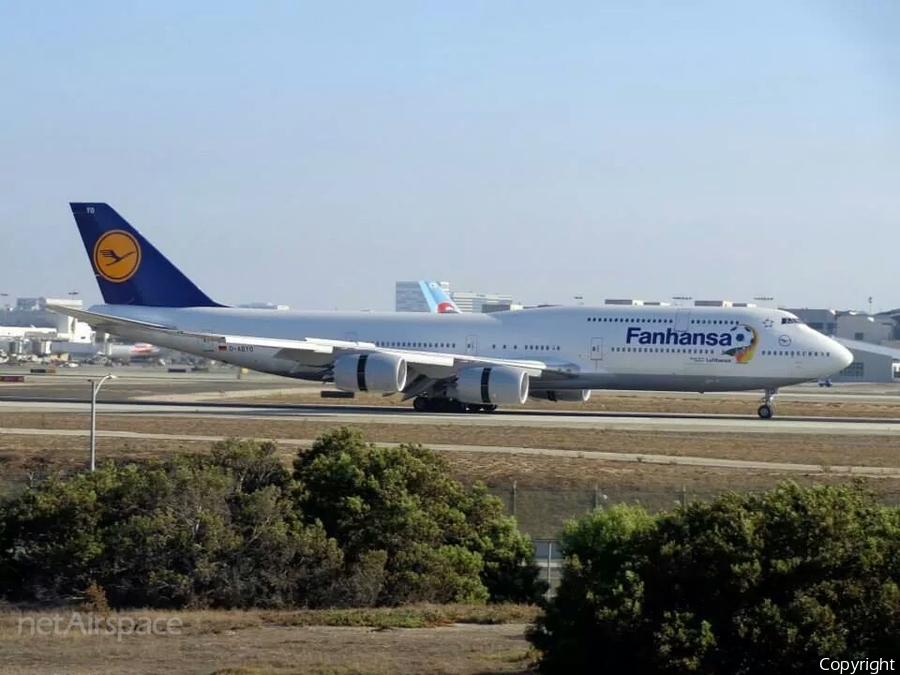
x,y
664,422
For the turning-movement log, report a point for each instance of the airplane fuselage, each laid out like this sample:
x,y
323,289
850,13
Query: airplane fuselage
x,y
701,349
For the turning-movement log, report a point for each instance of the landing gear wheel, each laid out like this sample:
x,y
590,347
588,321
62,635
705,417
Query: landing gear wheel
x,y
765,411
488,408
421,404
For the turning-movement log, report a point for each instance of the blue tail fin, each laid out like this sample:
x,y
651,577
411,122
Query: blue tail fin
x,y
438,300
129,269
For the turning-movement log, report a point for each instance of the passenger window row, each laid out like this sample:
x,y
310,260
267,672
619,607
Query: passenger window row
x,y
533,348
416,345
780,352
664,350
452,345
703,322
622,319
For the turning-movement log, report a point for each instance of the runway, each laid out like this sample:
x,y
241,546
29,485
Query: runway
x,y
342,414
155,382
643,458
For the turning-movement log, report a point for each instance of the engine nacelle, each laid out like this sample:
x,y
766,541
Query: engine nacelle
x,y
491,385
383,373
576,395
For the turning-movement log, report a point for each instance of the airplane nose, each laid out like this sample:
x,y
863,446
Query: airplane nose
x,y
841,357
844,355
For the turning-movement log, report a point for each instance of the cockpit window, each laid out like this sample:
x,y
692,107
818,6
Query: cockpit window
x,y
790,319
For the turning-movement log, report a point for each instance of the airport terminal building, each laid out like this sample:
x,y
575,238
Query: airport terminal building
x,y
874,340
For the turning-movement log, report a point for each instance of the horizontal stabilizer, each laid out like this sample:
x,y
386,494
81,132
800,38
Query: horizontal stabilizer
x,y
101,321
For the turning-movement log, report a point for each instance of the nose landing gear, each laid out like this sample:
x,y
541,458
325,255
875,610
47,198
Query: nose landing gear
x,y
767,409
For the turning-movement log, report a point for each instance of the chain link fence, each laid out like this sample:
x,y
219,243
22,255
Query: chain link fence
x,y
542,513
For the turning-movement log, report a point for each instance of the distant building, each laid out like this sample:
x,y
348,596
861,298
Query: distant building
x,y
30,327
822,320
868,337
865,327
263,305
29,304
408,296
631,302
859,326
490,307
469,301
33,312
871,363
627,302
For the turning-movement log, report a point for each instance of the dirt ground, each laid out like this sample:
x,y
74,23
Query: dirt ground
x,y
819,449
259,643
542,491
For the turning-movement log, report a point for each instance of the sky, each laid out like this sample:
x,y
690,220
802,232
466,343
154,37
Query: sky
x,y
314,153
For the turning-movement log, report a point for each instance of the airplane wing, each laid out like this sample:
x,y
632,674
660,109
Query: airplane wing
x,y
434,365
434,361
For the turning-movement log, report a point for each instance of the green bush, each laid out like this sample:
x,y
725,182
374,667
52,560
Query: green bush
x,y
442,543
358,526
217,531
742,584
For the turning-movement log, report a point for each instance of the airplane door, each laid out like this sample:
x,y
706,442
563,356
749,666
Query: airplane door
x,y
210,343
597,353
682,319
472,345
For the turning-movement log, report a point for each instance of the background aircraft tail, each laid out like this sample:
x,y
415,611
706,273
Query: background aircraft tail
x,y
129,269
438,300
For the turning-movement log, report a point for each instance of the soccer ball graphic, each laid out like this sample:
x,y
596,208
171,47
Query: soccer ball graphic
x,y
743,343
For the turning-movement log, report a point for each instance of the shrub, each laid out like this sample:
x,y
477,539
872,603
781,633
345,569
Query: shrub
x,y
218,531
442,543
355,526
742,584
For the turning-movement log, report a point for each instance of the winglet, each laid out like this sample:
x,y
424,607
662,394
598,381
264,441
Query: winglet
x,y
129,269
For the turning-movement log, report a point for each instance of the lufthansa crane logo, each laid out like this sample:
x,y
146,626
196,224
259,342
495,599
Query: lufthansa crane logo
x,y
117,256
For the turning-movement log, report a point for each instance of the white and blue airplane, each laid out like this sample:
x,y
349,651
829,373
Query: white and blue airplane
x,y
453,362
437,299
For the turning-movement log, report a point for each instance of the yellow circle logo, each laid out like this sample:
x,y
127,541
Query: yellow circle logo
x,y
117,256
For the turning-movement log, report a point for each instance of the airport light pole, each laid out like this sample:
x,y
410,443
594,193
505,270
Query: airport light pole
x,y
95,387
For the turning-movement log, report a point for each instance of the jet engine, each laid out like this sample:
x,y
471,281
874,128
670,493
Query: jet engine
x,y
576,395
491,385
383,373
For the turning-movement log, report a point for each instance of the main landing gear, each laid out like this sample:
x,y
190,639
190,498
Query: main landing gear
x,y
767,409
429,404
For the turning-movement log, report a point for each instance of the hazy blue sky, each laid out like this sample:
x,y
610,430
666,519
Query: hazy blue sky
x,y
314,153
